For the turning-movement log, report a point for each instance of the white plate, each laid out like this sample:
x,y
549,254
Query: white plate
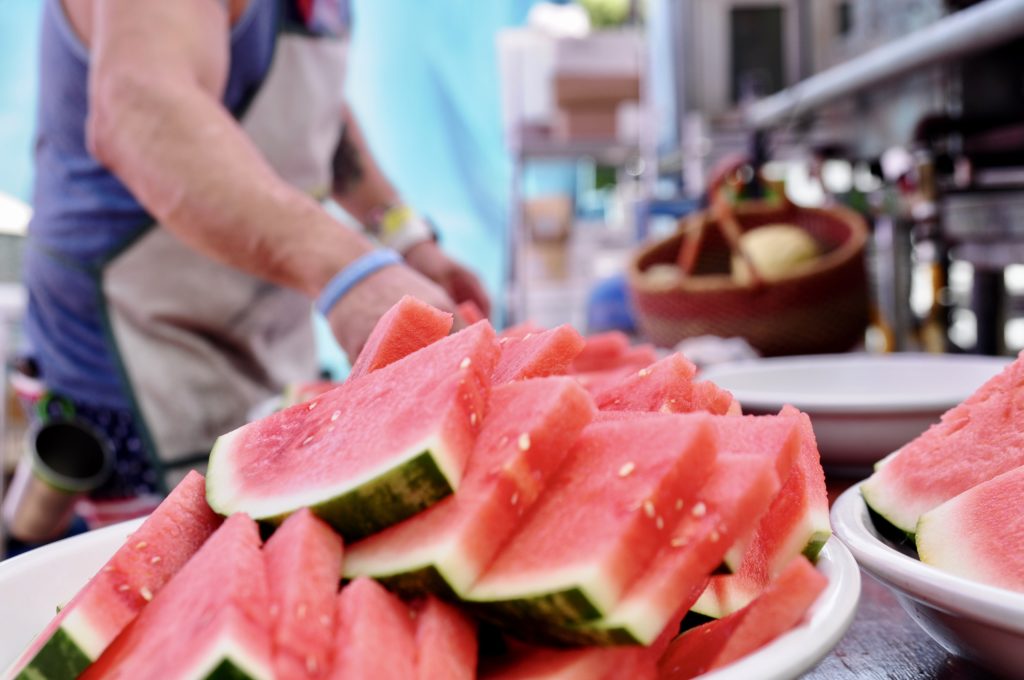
x,y
34,584
862,406
978,622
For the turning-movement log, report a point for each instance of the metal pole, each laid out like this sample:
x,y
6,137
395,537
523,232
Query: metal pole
x,y
978,27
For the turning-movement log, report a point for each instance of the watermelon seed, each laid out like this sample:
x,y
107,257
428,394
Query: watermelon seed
x,y
325,620
335,416
665,408
527,336
472,418
659,522
311,664
677,542
307,440
108,568
465,363
644,372
123,587
146,593
140,545
155,559
699,510
714,537
312,405
515,498
524,442
679,504
649,509
626,469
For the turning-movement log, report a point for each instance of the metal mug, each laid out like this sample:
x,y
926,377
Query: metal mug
x,y
64,459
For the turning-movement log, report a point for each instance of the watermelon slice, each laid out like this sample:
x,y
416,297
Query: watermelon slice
x,y
538,663
521,330
300,393
303,562
600,520
601,352
741,487
797,522
980,533
470,313
667,387
209,621
537,355
113,597
719,643
369,454
445,642
376,637
974,442
408,326
530,428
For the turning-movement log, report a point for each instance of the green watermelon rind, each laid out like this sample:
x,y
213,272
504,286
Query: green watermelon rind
x,y
872,498
443,569
816,544
410,485
565,607
226,659
61,657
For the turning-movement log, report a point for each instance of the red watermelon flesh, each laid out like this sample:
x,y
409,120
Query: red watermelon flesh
x,y
980,533
719,643
405,328
530,428
742,486
797,522
537,355
601,351
445,642
538,663
369,454
115,596
470,313
601,518
597,382
666,387
520,330
303,562
975,441
212,616
376,635
299,393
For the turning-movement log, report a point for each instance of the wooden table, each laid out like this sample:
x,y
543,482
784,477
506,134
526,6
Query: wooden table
x,y
884,642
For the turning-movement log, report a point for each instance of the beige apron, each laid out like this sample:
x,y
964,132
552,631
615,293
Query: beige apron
x,y
200,343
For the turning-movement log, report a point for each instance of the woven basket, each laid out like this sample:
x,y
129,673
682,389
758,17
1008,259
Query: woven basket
x,y
821,307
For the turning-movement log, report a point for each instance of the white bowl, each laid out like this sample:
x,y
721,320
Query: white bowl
x,y
978,622
862,406
33,585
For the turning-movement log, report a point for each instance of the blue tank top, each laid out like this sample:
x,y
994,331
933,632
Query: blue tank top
x,y
84,215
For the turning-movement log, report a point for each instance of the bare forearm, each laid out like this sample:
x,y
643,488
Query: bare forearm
x,y
359,184
194,169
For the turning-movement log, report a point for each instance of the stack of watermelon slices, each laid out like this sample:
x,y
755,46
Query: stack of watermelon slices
x,y
956,490
562,491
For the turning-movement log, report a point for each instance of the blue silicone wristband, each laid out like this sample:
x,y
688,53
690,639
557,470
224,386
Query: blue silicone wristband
x,y
347,278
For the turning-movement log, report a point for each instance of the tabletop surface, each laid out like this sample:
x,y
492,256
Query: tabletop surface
x,y
884,642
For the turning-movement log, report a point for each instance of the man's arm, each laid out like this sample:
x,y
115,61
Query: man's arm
x,y
158,71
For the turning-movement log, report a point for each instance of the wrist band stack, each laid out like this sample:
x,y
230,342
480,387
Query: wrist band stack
x,y
350,276
400,228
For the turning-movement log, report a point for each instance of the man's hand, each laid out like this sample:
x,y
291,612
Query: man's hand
x,y
358,311
458,281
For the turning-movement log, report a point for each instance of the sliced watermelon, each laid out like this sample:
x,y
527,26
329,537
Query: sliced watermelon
x,y
666,387
446,647
601,352
980,533
719,643
537,355
796,523
974,442
601,518
521,330
209,621
530,427
369,454
741,487
538,663
470,313
376,635
405,328
113,597
303,561
300,393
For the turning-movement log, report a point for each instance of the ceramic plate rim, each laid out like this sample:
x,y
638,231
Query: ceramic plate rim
x,y
844,404
997,607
